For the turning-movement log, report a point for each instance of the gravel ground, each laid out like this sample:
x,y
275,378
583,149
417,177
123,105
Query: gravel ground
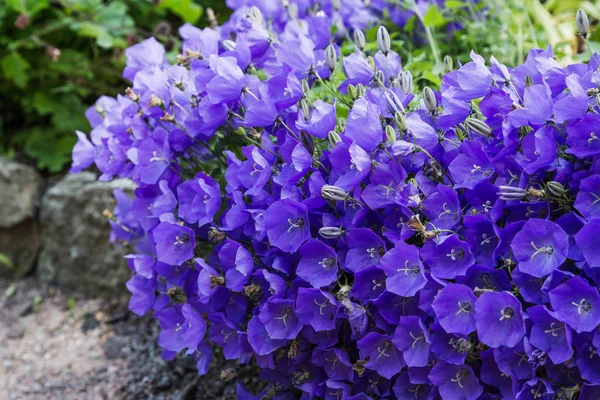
x,y
66,346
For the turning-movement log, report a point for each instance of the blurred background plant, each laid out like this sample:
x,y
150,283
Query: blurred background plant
x,y
58,56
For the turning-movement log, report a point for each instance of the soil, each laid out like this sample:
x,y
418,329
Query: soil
x,y
56,345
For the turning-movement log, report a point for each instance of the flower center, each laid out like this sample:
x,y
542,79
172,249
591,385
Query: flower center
x,y
180,240
507,313
321,305
583,306
382,350
459,376
592,138
413,270
554,329
255,169
327,263
416,339
298,224
476,168
456,254
541,250
156,157
486,239
464,306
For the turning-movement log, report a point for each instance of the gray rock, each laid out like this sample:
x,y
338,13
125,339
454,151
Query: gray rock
x,y
20,187
20,245
75,247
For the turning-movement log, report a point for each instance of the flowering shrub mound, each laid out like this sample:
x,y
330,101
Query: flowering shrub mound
x,y
352,238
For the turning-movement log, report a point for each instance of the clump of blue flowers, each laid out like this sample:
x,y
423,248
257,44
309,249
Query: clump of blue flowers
x,y
306,210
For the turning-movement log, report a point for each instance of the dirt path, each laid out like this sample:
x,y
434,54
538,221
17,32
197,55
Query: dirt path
x,y
55,346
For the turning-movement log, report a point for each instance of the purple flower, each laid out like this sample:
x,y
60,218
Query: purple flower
x,y
540,247
318,265
320,122
364,125
587,242
577,304
199,199
455,382
384,357
84,153
316,308
448,257
279,319
174,243
454,307
549,334
499,319
412,339
404,270
365,249
287,225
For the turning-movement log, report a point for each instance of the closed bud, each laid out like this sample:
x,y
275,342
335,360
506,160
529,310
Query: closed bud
x,y
393,102
448,63
334,138
509,193
528,81
479,127
293,11
390,134
555,189
229,45
308,141
429,99
352,91
305,87
598,99
333,193
361,90
304,108
395,83
335,4
383,40
405,80
342,124
359,39
400,120
583,23
379,77
256,15
371,62
331,57
330,232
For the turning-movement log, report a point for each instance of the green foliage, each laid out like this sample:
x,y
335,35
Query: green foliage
x,y
57,57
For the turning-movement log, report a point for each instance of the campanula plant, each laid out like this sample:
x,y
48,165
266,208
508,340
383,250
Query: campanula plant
x,y
315,214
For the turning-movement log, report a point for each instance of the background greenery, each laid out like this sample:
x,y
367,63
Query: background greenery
x,y
58,56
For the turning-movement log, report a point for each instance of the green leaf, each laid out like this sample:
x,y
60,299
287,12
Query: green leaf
x,y
433,17
5,260
186,9
43,103
50,151
15,68
454,4
29,7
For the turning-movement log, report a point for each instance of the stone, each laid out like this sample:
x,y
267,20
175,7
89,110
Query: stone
x,y
20,188
75,248
20,245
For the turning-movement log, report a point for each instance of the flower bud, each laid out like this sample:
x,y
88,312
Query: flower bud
x,y
335,4
479,127
528,81
305,109
293,11
229,45
390,134
555,189
359,39
330,232
405,79
352,91
361,91
256,15
400,120
379,77
393,102
448,63
211,17
583,23
331,57
333,193
308,141
429,99
371,62
342,124
598,100
305,87
383,40
334,138
509,193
